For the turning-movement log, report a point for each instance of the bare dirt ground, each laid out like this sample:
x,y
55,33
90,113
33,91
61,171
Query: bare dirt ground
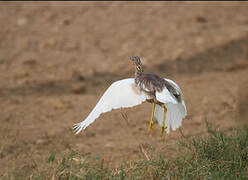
x,y
57,59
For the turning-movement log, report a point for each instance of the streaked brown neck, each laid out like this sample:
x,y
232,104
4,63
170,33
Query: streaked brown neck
x,y
139,70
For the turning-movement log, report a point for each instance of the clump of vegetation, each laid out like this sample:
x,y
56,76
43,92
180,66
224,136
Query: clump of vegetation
x,y
216,156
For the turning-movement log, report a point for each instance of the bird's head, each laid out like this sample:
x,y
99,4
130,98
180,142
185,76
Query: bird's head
x,y
137,63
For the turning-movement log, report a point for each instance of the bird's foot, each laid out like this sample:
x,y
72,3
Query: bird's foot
x,y
150,128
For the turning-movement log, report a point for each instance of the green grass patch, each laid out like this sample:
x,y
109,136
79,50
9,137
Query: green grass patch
x,y
214,156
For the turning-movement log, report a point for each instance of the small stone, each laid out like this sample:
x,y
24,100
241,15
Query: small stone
x,y
201,19
109,145
67,22
78,75
140,129
30,62
50,43
21,75
47,83
79,89
51,134
21,21
40,141
59,105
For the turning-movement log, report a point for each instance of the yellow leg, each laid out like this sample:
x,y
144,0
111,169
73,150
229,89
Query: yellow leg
x,y
151,121
163,123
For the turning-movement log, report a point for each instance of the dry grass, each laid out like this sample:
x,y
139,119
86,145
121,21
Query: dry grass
x,y
216,156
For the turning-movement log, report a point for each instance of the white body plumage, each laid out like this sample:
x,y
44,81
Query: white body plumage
x,y
124,94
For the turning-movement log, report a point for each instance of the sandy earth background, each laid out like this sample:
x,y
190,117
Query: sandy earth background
x,y
57,59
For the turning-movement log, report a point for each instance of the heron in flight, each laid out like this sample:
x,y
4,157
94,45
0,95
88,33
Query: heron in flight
x,y
168,105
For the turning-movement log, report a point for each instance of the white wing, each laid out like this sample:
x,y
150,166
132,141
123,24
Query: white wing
x,y
175,111
165,97
121,94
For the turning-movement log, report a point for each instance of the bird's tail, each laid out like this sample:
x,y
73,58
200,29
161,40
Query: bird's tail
x,y
174,115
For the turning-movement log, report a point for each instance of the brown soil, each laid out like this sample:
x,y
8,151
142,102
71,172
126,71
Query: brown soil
x,y
57,59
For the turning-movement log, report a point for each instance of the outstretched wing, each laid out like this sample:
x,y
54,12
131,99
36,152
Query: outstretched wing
x,y
121,94
176,111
